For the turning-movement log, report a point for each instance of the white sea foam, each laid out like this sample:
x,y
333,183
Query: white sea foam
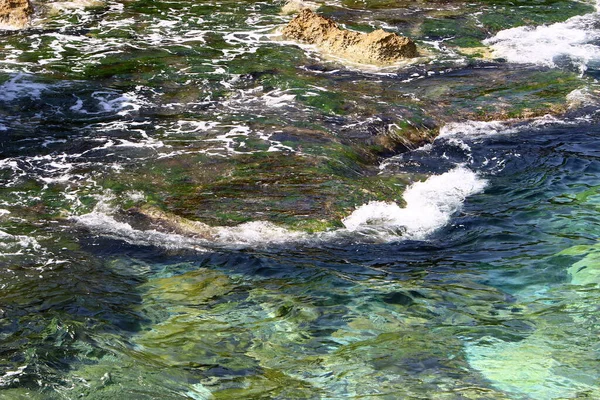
x,y
256,97
429,206
11,245
473,129
122,104
231,142
573,42
258,233
583,97
254,234
20,86
9,377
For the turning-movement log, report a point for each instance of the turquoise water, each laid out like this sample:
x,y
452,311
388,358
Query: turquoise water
x,y
346,253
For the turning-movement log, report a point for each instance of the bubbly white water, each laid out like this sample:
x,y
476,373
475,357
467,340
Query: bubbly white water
x,y
101,222
12,245
475,129
429,205
21,86
569,43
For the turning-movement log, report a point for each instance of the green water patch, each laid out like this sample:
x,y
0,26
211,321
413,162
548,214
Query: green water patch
x,y
305,338
559,365
586,271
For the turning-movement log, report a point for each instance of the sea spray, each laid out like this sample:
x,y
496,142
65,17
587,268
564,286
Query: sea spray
x,y
572,43
429,205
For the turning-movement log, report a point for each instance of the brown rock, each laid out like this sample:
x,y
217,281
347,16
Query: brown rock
x,y
15,13
149,217
378,47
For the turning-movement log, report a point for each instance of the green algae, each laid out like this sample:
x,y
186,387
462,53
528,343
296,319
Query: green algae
x,y
553,359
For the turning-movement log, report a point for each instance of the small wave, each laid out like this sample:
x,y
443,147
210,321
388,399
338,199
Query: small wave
x,y
258,233
475,129
429,206
106,225
255,234
573,43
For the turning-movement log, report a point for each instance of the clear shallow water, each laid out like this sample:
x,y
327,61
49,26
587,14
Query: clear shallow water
x,y
340,266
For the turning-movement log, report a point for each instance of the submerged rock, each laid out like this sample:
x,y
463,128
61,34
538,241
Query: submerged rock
x,y
378,47
150,217
295,6
62,6
15,13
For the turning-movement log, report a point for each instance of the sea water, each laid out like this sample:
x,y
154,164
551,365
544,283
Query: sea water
x,y
460,265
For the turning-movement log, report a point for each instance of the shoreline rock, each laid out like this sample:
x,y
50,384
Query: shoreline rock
x,y
148,217
378,47
15,14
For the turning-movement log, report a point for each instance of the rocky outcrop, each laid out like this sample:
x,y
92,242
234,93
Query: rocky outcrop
x,y
15,14
149,217
378,47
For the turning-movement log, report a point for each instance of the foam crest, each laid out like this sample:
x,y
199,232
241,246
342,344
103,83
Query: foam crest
x,y
255,234
429,206
234,142
565,44
122,104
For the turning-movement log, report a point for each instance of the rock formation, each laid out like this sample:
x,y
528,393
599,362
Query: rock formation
x,y
378,47
15,14
149,217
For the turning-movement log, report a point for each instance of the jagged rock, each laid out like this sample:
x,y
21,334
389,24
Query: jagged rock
x,y
15,14
378,47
